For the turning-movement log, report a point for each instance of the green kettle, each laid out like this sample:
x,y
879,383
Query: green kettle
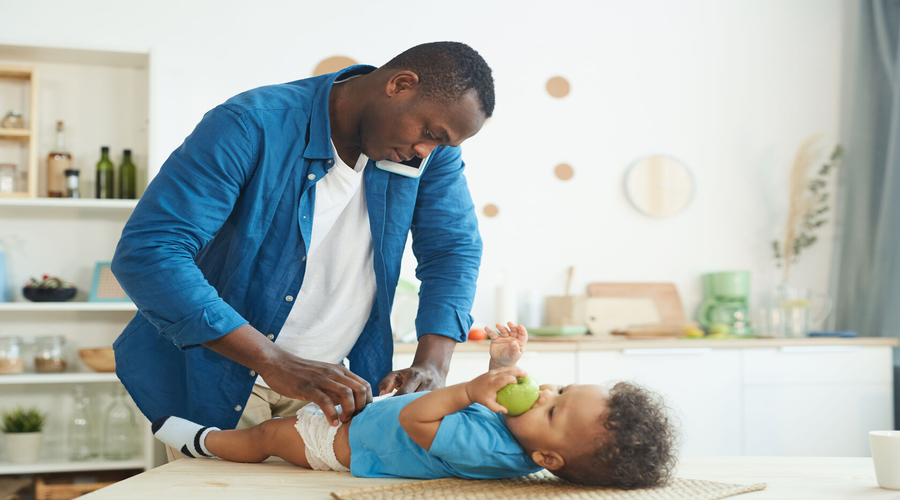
x,y
726,300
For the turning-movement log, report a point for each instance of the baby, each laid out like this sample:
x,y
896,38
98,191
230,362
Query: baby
x,y
587,434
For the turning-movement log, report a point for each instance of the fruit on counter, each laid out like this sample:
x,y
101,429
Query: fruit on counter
x,y
477,334
719,330
692,332
519,397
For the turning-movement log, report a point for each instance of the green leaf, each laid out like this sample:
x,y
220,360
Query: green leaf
x,y
838,152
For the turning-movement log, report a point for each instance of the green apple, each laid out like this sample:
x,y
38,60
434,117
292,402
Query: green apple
x,y
519,398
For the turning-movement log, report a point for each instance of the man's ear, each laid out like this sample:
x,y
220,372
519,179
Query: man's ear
x,y
549,460
402,82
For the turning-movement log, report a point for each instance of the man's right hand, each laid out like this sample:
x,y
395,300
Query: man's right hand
x,y
324,384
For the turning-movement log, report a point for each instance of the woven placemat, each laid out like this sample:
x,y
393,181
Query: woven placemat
x,y
544,485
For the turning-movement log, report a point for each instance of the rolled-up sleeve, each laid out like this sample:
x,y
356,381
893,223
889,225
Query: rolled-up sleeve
x,y
180,212
447,246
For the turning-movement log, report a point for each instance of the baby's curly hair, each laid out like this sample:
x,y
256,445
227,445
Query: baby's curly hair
x,y
638,447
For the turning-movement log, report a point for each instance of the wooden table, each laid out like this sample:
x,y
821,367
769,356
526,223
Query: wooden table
x,y
787,478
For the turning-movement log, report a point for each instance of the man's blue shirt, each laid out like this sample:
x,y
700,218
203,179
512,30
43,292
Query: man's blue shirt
x,y
473,443
219,239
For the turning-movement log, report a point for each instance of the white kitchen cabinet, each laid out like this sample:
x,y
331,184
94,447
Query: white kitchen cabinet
x,y
787,397
701,385
816,400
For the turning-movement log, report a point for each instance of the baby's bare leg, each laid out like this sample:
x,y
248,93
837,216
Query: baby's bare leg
x,y
277,437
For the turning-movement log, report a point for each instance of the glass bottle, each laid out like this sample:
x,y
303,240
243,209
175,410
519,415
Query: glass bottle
x,y
105,174
72,188
58,161
82,428
127,178
120,429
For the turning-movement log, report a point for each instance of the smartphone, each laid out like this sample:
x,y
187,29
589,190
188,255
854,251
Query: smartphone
x,y
410,168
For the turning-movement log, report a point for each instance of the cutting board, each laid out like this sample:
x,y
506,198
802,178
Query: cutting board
x,y
616,306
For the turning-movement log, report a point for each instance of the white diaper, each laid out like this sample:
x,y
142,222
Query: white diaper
x,y
318,435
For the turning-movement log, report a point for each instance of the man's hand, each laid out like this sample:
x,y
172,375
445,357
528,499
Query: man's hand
x,y
507,345
483,389
412,379
324,384
429,368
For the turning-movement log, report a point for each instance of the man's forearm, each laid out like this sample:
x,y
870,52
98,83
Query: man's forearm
x,y
246,346
434,351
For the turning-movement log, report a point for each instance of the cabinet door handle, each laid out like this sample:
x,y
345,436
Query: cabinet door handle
x,y
820,348
674,350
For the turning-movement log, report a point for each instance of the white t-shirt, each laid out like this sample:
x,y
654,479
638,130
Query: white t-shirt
x,y
338,289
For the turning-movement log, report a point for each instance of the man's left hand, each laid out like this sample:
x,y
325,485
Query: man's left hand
x,y
412,379
429,368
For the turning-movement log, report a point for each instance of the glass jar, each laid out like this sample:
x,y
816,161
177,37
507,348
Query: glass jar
x,y
120,429
7,178
49,356
13,119
72,188
11,356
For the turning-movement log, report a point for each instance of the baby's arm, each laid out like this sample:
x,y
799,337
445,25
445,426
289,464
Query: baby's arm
x,y
507,345
422,417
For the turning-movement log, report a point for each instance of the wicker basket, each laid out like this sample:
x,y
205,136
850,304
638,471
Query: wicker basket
x,y
69,485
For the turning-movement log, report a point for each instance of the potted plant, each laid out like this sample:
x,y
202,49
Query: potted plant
x,y
22,430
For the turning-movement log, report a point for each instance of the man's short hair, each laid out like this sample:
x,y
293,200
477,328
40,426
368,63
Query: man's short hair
x,y
636,447
447,70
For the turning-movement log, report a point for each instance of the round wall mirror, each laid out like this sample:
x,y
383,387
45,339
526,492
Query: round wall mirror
x,y
659,185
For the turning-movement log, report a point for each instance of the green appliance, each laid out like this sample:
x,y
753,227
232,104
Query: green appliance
x,y
726,300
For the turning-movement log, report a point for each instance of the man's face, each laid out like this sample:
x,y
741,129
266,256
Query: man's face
x,y
407,125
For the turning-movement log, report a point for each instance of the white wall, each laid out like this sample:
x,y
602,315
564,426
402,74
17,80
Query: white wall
x,y
731,88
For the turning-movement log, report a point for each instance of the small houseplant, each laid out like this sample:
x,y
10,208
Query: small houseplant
x,y
22,429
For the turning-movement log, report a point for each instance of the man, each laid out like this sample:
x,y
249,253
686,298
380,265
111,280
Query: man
x,y
268,247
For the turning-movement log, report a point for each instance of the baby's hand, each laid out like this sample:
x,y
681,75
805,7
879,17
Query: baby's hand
x,y
507,345
483,389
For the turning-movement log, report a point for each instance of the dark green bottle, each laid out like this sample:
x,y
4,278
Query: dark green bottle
x,y
127,178
105,174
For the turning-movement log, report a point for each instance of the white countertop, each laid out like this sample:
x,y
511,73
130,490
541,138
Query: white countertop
x,y
587,343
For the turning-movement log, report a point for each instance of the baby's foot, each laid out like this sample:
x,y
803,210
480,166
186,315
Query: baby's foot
x,y
183,435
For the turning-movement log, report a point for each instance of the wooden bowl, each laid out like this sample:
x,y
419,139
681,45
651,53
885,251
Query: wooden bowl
x,y
101,359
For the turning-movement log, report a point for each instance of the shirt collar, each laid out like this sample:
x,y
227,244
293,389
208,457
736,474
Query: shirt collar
x,y
319,145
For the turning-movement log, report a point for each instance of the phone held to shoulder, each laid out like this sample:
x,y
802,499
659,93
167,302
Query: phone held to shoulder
x,y
410,168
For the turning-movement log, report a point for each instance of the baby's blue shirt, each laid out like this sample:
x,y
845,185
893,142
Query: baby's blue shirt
x,y
473,443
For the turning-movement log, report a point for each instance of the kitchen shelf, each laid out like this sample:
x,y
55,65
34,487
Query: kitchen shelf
x,y
47,466
58,378
15,134
67,203
67,306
